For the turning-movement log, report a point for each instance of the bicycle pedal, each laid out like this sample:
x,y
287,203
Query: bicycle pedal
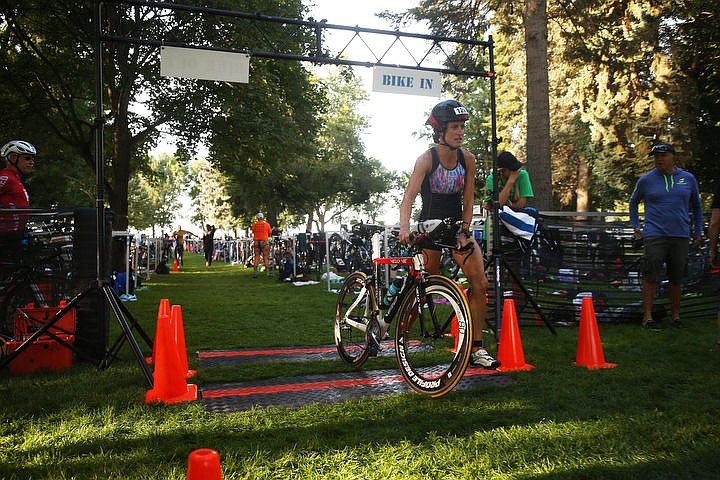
x,y
373,346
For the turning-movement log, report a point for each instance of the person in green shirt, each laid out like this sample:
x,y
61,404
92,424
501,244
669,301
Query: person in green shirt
x,y
514,183
514,190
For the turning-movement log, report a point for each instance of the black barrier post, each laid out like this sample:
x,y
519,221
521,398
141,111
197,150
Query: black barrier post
x,y
497,267
121,314
499,261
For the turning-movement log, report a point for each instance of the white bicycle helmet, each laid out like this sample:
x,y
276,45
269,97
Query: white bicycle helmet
x,y
17,146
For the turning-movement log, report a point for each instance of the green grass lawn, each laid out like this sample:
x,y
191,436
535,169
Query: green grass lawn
x,y
655,416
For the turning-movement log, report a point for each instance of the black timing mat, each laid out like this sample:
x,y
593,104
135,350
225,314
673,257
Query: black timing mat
x,y
217,358
295,392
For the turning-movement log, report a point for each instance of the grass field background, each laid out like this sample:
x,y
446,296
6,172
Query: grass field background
x,y
655,416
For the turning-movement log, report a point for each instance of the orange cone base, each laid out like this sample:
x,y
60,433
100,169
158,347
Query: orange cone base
x,y
515,368
190,394
596,366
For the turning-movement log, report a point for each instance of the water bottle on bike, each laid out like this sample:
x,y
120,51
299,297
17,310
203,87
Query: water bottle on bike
x,y
392,292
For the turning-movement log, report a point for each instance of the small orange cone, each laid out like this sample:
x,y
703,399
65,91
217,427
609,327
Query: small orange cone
x,y
589,350
204,464
510,352
163,310
454,332
178,330
176,266
169,375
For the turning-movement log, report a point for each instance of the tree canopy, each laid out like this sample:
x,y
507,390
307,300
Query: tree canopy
x,y
621,76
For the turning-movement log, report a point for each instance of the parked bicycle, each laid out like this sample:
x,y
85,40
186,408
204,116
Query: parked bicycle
x,y
351,251
40,281
433,329
310,253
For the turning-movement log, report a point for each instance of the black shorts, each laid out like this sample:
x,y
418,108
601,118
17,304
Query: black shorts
x,y
669,251
443,235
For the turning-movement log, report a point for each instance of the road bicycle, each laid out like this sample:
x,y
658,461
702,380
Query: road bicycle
x,y
433,327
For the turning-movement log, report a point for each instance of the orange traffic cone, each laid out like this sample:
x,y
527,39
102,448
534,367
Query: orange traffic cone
x,y
176,266
163,310
204,464
169,375
455,332
178,330
510,352
589,350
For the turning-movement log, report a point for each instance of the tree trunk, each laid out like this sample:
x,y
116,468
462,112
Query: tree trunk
x,y
582,191
308,225
538,104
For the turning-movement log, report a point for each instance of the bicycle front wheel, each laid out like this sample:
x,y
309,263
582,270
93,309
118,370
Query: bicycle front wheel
x,y
433,337
355,310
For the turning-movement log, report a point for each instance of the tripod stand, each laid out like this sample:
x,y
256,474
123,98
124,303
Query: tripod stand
x,y
499,262
497,259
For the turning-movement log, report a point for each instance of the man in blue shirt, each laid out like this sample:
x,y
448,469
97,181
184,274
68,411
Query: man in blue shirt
x,y
670,194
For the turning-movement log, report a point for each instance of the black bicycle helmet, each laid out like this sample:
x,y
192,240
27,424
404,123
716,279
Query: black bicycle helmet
x,y
444,112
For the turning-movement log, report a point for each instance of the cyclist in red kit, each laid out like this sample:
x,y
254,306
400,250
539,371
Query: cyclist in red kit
x,y
20,160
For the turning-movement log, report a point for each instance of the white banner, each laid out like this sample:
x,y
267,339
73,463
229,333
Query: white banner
x,y
404,80
204,64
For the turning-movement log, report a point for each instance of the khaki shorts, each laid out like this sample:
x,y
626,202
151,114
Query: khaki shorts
x,y
669,251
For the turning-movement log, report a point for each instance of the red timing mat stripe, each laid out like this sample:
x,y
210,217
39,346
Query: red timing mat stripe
x,y
301,387
277,351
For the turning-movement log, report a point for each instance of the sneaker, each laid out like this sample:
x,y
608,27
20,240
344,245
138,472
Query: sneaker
x,y
651,325
481,358
677,323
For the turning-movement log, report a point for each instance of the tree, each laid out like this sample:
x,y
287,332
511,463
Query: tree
x,y
625,88
538,103
154,194
696,34
471,20
48,64
341,177
208,191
